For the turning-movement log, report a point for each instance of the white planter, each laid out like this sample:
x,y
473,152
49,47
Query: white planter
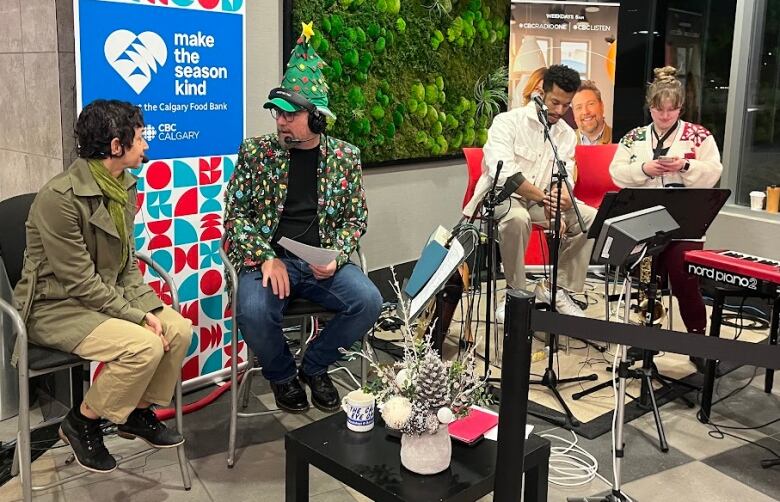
x,y
427,453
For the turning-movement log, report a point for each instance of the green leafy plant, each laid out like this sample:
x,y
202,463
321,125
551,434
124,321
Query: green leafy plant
x,y
490,92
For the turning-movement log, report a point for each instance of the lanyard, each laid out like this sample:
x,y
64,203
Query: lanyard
x,y
660,141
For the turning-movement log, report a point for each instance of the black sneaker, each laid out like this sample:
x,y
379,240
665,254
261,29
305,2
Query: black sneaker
x,y
323,393
143,423
86,439
290,396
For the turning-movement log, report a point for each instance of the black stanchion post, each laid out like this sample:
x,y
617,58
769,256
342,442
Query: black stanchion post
x,y
515,370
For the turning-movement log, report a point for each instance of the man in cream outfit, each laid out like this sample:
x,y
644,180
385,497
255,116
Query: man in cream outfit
x,y
516,137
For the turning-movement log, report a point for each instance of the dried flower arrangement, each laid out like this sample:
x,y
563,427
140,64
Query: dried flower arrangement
x,y
419,392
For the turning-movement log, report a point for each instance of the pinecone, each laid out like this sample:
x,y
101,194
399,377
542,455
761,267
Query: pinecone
x,y
432,388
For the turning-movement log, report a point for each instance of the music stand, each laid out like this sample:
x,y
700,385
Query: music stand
x,y
436,283
623,242
693,209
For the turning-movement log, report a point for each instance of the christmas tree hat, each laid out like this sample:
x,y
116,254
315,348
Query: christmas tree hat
x,y
304,76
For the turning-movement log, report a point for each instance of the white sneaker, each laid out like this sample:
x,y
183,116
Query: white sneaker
x,y
563,302
500,312
542,292
565,305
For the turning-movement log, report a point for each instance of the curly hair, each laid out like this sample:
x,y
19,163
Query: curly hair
x,y
564,77
103,120
665,87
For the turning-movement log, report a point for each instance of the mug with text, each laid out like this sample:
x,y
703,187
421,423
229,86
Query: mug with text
x,y
359,408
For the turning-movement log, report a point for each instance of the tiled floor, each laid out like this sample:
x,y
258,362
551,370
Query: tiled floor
x,y
698,467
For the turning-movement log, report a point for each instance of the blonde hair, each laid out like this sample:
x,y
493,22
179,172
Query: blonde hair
x,y
533,82
665,87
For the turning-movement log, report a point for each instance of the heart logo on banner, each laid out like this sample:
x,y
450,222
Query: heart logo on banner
x,y
135,57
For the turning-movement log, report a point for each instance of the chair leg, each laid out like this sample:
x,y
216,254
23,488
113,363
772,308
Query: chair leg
x,y
245,389
183,464
364,364
231,456
23,456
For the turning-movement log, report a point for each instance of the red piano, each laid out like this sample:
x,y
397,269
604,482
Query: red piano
x,y
735,269
735,274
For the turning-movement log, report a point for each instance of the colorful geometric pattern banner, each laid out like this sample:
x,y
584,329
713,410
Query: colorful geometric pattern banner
x,y
182,63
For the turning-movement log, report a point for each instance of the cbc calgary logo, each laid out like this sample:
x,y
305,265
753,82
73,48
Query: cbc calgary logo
x,y
135,57
149,132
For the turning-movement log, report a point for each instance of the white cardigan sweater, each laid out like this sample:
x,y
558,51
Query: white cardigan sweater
x,y
691,142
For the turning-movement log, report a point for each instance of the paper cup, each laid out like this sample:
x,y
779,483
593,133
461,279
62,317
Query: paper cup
x,y
772,199
359,408
757,201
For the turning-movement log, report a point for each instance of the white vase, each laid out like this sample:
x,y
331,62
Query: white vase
x,y
427,453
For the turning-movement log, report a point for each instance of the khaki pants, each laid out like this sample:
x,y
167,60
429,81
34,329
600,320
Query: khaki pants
x,y
136,367
514,231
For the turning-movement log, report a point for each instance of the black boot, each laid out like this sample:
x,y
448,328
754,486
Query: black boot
x,y
701,366
290,396
86,439
143,423
323,393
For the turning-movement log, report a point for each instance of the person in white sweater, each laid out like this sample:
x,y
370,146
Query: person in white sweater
x,y
516,138
670,152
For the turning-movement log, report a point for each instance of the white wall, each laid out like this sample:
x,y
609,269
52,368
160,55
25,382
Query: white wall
x,y
404,203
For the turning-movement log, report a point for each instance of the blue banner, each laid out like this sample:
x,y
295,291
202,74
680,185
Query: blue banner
x,y
183,67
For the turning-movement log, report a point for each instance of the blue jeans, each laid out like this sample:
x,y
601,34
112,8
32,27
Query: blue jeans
x,y
349,294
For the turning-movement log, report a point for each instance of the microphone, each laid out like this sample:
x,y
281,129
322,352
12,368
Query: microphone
x,y
539,100
510,187
289,140
541,109
144,159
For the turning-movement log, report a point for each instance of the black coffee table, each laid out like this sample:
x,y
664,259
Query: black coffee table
x,y
370,463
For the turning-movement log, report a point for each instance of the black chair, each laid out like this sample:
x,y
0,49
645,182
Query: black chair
x,y
35,360
298,308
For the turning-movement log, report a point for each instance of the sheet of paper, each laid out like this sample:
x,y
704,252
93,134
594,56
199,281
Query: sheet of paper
x,y
492,434
310,254
447,267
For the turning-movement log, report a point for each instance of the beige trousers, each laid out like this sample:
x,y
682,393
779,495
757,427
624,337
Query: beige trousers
x,y
514,231
136,366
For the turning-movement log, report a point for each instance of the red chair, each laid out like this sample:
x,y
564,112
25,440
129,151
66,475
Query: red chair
x,y
474,158
537,252
593,178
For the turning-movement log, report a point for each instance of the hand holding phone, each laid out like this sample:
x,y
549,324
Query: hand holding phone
x,y
664,158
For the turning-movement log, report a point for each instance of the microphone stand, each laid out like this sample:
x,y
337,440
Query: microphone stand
x,y
550,379
489,208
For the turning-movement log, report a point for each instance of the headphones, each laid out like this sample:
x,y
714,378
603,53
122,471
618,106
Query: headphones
x,y
317,122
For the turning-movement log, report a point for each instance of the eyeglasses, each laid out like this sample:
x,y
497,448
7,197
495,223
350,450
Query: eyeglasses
x,y
287,116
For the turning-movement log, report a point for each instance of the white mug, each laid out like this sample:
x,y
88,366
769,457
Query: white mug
x,y
359,408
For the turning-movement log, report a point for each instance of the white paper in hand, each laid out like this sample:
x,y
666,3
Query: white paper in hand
x,y
310,254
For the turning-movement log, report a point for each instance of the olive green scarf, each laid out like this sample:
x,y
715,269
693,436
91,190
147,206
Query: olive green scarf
x,y
116,193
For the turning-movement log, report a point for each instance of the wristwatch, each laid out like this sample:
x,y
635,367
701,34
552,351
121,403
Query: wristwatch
x,y
686,167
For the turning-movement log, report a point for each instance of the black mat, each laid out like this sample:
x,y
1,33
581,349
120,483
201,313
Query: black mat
x,y
603,423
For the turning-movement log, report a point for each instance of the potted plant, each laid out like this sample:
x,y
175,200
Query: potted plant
x,y
420,394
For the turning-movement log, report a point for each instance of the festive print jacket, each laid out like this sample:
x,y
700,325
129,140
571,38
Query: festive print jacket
x,y
255,196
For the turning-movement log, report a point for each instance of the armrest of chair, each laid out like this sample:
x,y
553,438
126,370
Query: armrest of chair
x,y
164,276
21,331
230,272
363,263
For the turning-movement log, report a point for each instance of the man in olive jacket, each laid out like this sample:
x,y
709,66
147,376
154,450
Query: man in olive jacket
x,y
82,292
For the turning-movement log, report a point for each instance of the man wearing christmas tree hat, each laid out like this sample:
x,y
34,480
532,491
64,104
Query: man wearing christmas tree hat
x,y
301,184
